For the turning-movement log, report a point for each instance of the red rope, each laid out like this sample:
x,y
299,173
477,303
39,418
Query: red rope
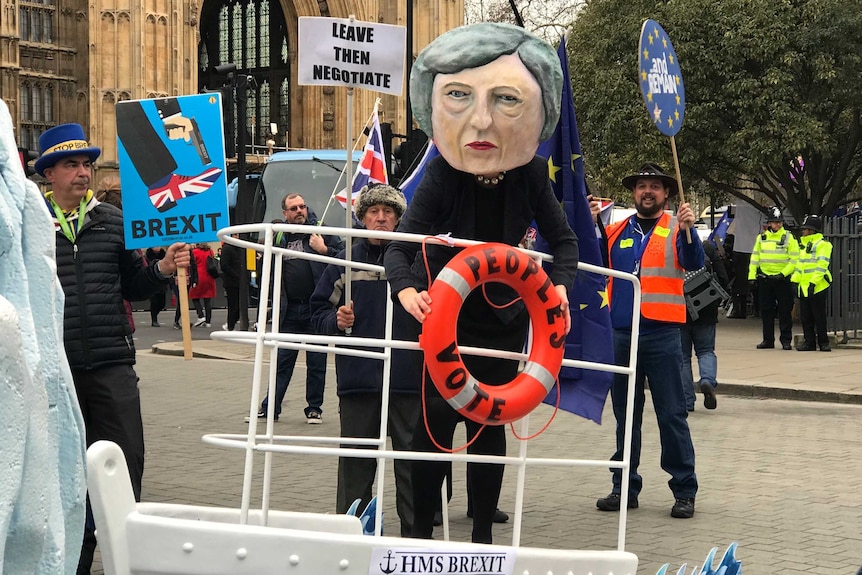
x,y
424,379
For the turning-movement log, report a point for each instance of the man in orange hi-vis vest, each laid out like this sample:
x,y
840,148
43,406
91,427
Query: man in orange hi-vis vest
x,y
652,245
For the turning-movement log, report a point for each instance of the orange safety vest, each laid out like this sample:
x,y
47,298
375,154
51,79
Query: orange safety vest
x,y
661,276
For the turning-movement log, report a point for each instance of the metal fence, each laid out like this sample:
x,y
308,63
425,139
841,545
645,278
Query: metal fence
x,y
845,299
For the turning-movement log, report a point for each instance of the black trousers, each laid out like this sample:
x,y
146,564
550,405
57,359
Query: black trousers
x,y
739,289
111,406
812,310
157,304
360,417
776,298
232,298
485,481
205,311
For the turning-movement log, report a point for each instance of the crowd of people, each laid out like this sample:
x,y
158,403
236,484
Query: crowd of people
x,y
487,185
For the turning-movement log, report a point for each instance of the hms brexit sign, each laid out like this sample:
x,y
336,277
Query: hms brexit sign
x,y
387,561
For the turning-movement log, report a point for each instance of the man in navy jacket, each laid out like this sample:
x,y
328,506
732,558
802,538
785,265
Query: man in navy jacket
x,y
360,380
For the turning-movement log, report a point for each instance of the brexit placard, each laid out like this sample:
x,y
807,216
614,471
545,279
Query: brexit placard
x,y
172,170
352,53
660,79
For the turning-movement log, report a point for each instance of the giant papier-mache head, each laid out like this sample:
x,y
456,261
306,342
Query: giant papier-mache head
x,y
487,84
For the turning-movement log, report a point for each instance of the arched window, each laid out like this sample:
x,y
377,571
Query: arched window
x,y
48,104
26,113
26,137
253,35
37,103
24,23
35,26
48,27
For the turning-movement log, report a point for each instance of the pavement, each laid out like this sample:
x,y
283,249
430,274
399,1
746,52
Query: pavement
x,y
743,370
779,476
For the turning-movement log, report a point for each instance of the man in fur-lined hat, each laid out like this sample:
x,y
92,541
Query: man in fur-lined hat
x,y
360,380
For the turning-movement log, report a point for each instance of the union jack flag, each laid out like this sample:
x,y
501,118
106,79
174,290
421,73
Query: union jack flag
x,y
372,166
178,187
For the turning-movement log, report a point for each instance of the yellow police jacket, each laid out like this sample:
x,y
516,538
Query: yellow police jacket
x,y
812,268
775,253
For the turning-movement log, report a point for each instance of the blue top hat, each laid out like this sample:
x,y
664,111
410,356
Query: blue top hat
x,y
63,141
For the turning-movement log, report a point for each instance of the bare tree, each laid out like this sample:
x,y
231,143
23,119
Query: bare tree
x,y
546,18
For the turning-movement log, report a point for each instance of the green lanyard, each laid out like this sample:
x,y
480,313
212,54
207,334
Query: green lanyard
x,y
64,225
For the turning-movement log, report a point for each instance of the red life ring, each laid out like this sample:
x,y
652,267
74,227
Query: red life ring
x,y
472,267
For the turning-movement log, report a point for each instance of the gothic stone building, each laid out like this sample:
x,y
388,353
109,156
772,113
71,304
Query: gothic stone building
x,y
73,60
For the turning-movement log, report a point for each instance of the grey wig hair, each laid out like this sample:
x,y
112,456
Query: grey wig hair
x,y
478,44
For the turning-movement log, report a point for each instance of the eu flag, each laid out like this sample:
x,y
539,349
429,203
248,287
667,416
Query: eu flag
x,y
583,392
409,184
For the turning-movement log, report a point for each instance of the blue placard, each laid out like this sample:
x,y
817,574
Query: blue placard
x,y
660,79
172,170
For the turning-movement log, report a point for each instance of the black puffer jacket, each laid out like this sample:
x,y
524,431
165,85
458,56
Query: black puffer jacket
x,y
97,272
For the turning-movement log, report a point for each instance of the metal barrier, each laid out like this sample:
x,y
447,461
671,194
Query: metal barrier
x,y
844,308
139,539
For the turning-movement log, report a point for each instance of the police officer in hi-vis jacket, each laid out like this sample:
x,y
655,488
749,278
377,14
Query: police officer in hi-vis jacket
x,y
773,262
813,277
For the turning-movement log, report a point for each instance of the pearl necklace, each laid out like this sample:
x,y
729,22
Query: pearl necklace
x,y
491,181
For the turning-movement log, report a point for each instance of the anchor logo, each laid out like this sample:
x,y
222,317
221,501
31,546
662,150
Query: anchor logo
x,y
389,559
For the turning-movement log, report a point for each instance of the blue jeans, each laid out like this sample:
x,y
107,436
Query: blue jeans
x,y
659,357
296,318
700,336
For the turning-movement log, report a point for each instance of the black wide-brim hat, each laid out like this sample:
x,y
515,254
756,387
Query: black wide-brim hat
x,y
652,171
61,142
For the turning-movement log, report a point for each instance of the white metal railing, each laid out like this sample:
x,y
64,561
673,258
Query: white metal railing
x,y
264,340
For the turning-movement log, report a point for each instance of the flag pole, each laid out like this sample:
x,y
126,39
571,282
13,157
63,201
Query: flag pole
x,y
679,181
348,187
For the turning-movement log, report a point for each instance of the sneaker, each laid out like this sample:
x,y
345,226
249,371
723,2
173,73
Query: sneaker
x,y
177,326
683,508
156,324
224,327
612,502
261,415
199,322
208,324
709,400
313,416
499,516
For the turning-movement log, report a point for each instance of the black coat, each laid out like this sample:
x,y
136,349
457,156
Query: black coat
x,y
445,202
97,273
368,291
232,260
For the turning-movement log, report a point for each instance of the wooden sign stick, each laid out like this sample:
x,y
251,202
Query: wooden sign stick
x,y
183,290
679,182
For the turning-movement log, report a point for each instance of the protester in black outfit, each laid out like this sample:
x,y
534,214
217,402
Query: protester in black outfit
x,y
232,260
488,185
158,299
97,273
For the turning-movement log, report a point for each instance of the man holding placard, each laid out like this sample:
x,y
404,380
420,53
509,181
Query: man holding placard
x,y
652,246
97,272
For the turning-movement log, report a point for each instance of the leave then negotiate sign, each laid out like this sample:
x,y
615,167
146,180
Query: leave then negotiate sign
x,y
351,53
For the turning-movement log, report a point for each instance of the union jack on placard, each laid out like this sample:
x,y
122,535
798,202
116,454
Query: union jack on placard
x,y
178,187
372,166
